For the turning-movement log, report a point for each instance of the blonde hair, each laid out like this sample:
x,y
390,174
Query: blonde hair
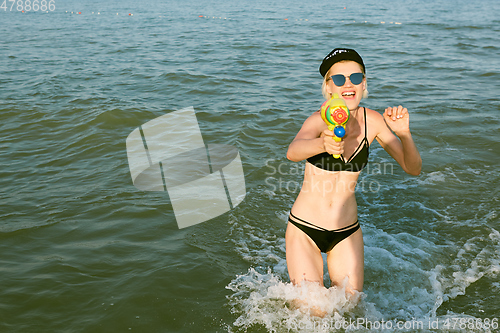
x,y
327,95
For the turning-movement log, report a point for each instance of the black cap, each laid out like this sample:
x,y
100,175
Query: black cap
x,y
338,55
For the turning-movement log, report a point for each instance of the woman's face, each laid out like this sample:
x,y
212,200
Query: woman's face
x,y
351,93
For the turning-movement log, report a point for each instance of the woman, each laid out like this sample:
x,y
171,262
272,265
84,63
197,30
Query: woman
x,y
324,215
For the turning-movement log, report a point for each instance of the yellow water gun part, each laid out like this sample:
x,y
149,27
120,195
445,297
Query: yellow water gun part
x,y
335,114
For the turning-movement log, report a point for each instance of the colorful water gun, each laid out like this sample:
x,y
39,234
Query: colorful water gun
x,y
335,114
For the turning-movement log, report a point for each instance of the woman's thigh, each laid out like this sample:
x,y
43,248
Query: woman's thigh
x,y
303,258
346,259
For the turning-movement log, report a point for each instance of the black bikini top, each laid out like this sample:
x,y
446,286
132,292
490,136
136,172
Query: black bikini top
x,y
357,162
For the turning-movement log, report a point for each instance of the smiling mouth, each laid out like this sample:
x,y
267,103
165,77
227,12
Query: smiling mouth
x,y
348,94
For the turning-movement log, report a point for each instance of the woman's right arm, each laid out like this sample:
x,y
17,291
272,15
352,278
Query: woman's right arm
x,y
308,141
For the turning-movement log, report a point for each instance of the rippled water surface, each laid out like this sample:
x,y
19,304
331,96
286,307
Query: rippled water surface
x,y
83,250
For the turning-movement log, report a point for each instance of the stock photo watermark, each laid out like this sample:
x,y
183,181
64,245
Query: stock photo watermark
x,y
486,324
27,5
168,154
284,176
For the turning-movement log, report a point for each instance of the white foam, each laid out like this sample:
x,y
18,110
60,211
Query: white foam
x,y
471,263
263,299
433,178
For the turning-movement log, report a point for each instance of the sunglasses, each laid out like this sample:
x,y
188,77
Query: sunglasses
x,y
355,78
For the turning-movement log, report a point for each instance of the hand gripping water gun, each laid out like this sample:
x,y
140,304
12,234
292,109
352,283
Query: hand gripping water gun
x,y
335,114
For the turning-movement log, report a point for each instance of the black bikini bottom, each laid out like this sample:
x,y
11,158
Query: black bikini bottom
x,y
325,239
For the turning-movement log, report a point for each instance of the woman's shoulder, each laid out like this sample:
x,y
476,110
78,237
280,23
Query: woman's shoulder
x,y
374,117
315,116
314,124
376,122
372,113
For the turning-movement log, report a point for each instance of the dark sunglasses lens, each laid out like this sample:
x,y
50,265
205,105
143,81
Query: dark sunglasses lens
x,y
356,78
338,80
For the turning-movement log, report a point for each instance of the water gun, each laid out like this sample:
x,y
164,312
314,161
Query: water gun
x,y
335,114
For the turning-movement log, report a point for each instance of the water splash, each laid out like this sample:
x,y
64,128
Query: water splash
x,y
263,299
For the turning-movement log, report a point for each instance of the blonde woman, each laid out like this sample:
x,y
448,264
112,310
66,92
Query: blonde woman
x,y
324,217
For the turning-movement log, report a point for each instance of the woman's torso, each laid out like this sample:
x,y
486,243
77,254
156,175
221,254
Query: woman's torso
x,y
327,198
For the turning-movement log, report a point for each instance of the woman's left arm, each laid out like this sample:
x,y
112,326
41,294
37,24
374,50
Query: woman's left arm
x,y
404,150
